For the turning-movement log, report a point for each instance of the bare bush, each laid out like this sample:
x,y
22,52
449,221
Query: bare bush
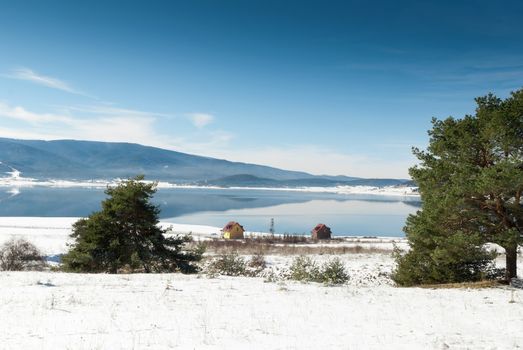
x,y
258,261
20,255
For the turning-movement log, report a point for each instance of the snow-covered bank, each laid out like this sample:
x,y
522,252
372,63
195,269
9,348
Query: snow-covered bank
x,y
51,234
15,182
174,311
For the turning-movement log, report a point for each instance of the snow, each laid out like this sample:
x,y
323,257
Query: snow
x,y
53,310
165,311
16,181
51,234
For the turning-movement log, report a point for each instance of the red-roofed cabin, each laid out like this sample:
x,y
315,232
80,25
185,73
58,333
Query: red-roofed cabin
x,y
233,230
321,231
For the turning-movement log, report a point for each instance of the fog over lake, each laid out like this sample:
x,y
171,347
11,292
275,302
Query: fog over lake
x,y
293,212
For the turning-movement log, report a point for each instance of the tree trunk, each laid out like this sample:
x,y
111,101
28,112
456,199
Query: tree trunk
x,y
511,253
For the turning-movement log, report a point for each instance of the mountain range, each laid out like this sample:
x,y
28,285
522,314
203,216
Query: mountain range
x,y
86,160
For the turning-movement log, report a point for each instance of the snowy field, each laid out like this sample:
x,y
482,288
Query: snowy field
x,y
166,311
51,310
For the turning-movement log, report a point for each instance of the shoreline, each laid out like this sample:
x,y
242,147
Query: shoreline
x,y
51,234
65,222
15,183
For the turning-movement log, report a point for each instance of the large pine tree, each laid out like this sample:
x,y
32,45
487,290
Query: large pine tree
x,y
471,183
125,234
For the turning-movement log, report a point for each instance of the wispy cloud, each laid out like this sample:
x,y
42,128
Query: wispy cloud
x,y
106,123
319,160
200,120
104,127
110,110
22,114
51,82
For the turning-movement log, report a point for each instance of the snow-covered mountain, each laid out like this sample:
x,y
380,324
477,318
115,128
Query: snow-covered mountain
x,y
84,160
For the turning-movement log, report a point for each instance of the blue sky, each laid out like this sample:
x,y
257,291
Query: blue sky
x,y
335,87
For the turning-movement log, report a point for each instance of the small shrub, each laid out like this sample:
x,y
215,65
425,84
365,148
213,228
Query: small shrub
x,y
304,269
258,261
20,255
256,265
271,276
228,264
333,272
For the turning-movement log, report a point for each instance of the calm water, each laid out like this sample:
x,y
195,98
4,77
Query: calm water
x,y
293,212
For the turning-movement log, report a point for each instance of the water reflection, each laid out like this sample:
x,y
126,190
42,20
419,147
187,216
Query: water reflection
x,y
345,217
294,212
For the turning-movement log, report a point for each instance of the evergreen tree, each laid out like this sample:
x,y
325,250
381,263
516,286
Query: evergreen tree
x,y
125,234
471,181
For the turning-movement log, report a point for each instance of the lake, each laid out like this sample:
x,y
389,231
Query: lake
x,y
293,212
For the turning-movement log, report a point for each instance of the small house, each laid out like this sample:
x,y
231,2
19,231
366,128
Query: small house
x,y
233,230
321,231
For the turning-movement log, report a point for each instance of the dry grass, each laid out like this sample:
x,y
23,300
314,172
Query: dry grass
x,y
286,246
464,285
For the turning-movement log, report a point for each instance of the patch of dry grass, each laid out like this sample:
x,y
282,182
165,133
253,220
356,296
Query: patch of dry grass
x,y
286,246
464,285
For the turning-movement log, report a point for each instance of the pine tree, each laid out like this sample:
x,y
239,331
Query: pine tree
x,y
125,234
471,181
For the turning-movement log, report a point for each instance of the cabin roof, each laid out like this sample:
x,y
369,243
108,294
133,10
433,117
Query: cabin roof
x,y
230,225
320,227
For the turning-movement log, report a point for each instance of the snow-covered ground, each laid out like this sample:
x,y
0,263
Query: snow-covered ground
x,y
52,310
51,234
173,311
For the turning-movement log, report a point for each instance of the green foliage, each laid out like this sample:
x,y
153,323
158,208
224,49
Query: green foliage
x,y
228,264
471,182
20,255
231,264
125,236
305,269
460,258
333,272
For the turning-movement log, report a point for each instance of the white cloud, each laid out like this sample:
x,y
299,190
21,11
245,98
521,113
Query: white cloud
x,y
54,83
108,109
20,113
200,120
131,128
105,123
319,160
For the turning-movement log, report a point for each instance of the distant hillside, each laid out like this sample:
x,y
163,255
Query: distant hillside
x,y
246,180
84,160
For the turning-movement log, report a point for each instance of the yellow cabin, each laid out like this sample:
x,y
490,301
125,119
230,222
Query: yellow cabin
x,y
233,230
